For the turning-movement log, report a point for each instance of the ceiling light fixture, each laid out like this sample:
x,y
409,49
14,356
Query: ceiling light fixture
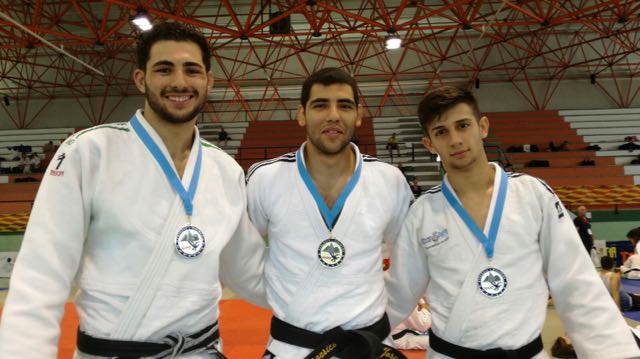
x,y
142,20
393,41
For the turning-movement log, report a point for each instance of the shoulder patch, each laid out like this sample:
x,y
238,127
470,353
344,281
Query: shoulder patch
x,y
289,157
559,209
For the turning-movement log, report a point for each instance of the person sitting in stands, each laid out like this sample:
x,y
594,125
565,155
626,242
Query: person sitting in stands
x,y
223,136
392,144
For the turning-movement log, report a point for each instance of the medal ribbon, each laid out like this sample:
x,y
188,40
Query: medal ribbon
x,y
172,176
329,215
487,242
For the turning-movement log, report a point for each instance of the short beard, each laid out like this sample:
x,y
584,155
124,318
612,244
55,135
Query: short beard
x,y
329,151
163,112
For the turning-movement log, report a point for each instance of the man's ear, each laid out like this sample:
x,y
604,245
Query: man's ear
x,y
302,121
138,79
483,122
359,119
428,144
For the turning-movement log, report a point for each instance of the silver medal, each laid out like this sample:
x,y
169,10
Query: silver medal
x,y
190,241
492,282
331,252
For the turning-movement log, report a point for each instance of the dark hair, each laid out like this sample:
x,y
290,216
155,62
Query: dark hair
x,y
634,233
171,31
606,262
328,76
440,100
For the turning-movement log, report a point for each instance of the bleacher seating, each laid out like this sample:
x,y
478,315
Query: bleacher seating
x,y
236,130
414,157
608,129
565,166
14,196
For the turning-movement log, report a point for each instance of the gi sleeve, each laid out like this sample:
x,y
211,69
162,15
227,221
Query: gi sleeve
x,y
408,275
586,309
257,214
403,199
48,259
242,259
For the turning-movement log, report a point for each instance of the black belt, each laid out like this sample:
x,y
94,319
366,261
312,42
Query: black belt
x,y
455,351
401,334
172,345
363,343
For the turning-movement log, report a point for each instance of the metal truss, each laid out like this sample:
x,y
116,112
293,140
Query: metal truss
x,y
530,45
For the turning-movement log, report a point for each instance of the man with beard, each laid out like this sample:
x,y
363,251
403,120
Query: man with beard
x,y
326,210
146,217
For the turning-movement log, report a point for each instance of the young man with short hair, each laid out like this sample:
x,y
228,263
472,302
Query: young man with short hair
x,y
326,210
146,217
487,247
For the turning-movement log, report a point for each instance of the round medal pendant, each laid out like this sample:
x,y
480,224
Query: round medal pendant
x,y
190,241
492,282
331,252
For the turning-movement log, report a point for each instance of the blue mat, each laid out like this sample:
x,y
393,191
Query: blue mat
x,y
631,286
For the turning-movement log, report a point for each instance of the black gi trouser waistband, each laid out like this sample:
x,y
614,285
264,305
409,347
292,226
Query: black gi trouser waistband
x,y
455,351
170,347
363,343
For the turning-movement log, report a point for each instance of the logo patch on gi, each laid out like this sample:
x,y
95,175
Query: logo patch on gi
x,y
559,209
331,252
436,238
492,282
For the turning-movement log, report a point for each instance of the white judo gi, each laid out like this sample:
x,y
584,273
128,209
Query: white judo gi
x,y
631,267
438,253
300,290
102,208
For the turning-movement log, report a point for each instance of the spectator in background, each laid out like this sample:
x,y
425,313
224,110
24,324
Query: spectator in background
x,y
412,334
25,163
223,136
634,237
631,267
392,144
584,228
48,148
415,188
624,300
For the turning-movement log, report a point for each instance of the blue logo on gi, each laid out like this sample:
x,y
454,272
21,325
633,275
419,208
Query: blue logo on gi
x,y
436,238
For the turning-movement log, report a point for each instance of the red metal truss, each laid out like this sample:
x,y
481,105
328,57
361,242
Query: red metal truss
x,y
532,45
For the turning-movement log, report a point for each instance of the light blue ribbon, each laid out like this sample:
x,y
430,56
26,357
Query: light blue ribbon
x,y
329,215
172,176
487,242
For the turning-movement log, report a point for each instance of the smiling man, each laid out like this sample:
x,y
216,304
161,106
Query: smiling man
x,y
488,247
326,210
146,217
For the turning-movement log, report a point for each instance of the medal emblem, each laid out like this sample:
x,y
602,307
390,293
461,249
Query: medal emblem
x,y
492,282
331,252
190,241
